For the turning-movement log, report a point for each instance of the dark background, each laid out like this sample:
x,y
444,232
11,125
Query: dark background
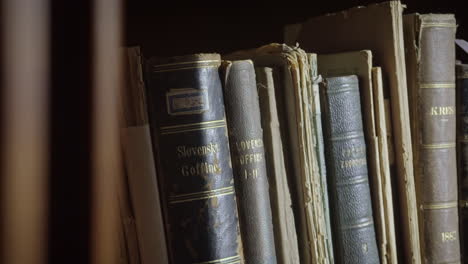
x,y
209,27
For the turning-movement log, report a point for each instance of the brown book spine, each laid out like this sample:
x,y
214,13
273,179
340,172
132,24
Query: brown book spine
x,y
431,60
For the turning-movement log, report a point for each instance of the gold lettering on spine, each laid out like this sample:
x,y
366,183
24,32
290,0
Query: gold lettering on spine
x,y
442,110
354,151
199,168
353,163
449,236
349,155
365,248
250,158
249,145
187,152
253,174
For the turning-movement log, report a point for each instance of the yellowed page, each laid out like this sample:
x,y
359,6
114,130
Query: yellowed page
x,y
378,27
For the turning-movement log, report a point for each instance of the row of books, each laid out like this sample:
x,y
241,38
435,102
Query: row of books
x,y
280,155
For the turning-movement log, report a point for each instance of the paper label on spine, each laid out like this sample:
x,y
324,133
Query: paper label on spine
x,y
187,101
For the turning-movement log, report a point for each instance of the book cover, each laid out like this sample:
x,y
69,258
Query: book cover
x,y
188,125
351,30
316,78
284,228
353,224
359,63
143,186
430,61
389,252
302,165
248,161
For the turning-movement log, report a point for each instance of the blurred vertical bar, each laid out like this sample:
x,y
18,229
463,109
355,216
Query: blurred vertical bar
x,y
24,141
106,145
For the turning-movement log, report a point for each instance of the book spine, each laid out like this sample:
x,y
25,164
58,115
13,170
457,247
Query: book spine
x,y
354,233
137,153
187,118
320,152
462,130
248,160
435,139
287,250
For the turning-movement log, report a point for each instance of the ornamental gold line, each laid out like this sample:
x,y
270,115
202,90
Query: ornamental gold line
x,y
218,260
199,195
367,223
463,76
191,127
204,192
449,25
186,62
187,68
437,85
192,124
201,198
436,206
188,130
438,146
342,90
355,181
347,136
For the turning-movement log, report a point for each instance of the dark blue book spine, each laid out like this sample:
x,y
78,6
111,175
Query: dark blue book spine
x,y
187,118
351,207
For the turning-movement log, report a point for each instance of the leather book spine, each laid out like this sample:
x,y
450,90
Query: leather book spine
x,y
248,161
353,229
433,116
187,118
462,135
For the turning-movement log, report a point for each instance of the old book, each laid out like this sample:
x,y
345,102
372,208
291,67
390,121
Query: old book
x,y
352,30
280,193
188,125
359,63
320,148
297,123
248,161
353,228
313,177
430,62
387,241
462,155
140,169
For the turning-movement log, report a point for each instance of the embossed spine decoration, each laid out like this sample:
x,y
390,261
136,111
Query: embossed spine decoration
x,y
248,160
431,88
353,229
462,135
188,122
